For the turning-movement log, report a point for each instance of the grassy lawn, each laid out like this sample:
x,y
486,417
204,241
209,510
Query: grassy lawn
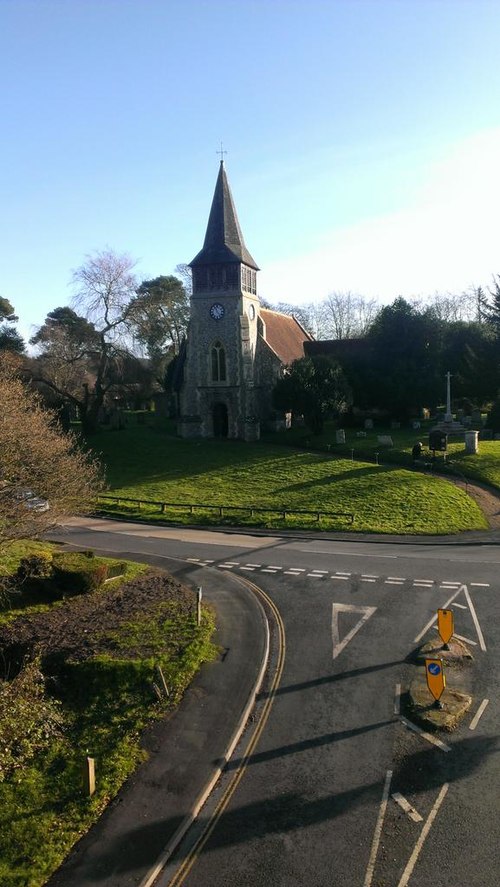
x,y
95,703
146,463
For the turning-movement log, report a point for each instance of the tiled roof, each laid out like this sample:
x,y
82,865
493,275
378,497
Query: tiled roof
x,y
284,335
223,240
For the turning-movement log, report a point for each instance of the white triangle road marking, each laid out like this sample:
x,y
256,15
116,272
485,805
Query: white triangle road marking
x,y
339,645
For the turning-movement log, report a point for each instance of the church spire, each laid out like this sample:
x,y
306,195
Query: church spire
x,y
223,241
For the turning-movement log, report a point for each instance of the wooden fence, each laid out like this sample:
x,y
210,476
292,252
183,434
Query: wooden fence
x,y
221,510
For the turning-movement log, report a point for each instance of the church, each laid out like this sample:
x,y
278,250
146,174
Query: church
x,y
235,350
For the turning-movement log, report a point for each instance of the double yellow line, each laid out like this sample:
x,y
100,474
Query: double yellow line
x,y
195,851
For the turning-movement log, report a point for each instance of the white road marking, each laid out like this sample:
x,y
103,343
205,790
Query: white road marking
x,y
230,564
473,724
425,581
397,699
476,620
334,576
396,579
460,606
450,585
268,570
290,573
253,565
339,645
369,576
318,573
430,738
207,561
367,580
248,569
378,831
273,567
423,834
406,806
193,560
315,575
226,566
342,573
460,637
434,618
299,569
393,582
423,584
480,584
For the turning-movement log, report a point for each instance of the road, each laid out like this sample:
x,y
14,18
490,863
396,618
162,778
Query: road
x,y
314,804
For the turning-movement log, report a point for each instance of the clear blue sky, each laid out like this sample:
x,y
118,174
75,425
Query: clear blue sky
x,y
363,141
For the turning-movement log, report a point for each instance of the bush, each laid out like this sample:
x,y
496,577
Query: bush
x,y
76,573
494,416
29,720
34,566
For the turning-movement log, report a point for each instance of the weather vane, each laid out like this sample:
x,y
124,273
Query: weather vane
x,y
221,152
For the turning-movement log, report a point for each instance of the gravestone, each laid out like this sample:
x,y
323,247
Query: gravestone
x,y
471,444
415,425
385,440
340,436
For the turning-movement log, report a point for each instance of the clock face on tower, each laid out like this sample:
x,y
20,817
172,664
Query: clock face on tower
x,y
217,311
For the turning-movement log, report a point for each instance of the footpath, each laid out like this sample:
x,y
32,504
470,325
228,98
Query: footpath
x,y
185,752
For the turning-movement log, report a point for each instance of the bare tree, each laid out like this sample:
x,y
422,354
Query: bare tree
x,y
453,307
88,351
36,455
346,315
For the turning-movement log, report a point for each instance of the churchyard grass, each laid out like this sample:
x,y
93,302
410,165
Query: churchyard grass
x,y
145,463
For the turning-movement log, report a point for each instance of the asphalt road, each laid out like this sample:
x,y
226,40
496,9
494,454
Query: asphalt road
x,y
315,803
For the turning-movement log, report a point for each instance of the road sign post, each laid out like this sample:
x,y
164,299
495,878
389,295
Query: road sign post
x,y
445,626
436,681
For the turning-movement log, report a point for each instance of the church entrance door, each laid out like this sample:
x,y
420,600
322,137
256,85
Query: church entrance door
x,y
220,420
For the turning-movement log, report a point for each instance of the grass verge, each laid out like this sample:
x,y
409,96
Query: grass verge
x,y
99,663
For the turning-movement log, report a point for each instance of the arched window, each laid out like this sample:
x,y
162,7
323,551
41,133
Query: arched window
x,y
218,363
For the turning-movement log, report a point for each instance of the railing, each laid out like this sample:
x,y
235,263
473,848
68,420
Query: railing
x,y
252,510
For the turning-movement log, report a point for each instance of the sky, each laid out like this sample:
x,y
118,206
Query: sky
x,y
362,139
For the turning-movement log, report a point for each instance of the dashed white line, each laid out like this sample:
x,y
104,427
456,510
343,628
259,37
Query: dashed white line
x,y
460,606
396,579
342,573
248,569
393,582
367,580
369,576
193,560
407,807
227,566
255,566
273,567
397,699
480,584
335,576
473,724
269,570
316,575
428,736
290,573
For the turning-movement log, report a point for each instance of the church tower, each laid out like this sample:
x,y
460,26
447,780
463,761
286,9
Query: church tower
x,y
219,395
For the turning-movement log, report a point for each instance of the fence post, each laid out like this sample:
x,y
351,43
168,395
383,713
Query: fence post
x,y
199,595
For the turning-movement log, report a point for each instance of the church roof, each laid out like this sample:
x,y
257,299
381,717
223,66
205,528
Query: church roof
x,y
284,335
223,240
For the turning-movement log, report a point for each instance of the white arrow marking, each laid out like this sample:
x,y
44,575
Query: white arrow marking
x,y
339,645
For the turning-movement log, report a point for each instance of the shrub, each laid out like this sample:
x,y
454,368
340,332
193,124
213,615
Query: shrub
x,y
76,573
29,720
494,416
35,566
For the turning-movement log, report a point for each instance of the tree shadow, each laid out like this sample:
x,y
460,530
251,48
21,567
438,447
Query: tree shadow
x,y
134,849
331,679
334,478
